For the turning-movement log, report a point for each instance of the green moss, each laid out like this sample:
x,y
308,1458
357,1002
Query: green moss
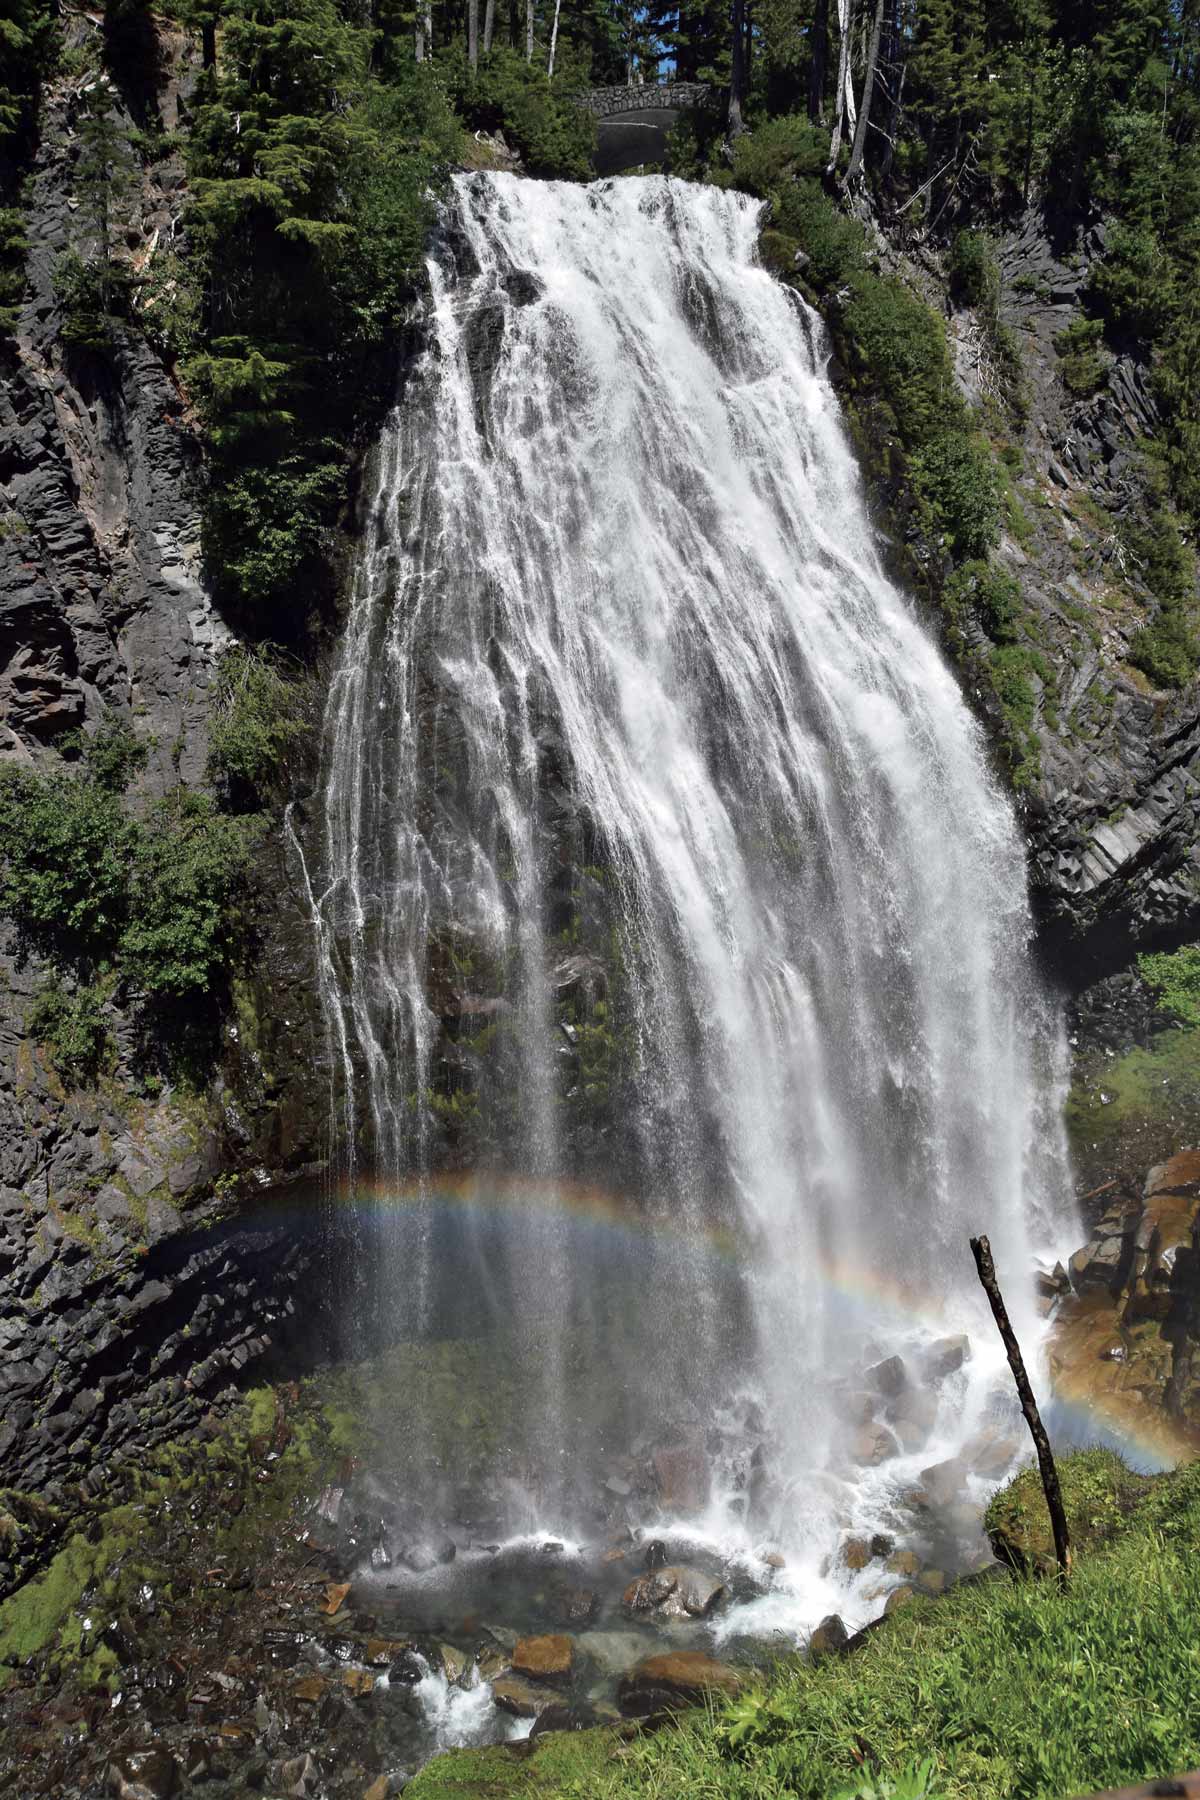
x,y
563,1763
1099,1494
42,1612
1176,982
1158,1086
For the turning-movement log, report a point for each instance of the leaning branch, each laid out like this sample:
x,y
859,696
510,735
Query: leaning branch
x,y
982,1252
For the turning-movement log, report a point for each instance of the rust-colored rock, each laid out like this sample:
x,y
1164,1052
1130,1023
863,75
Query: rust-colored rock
x,y
681,1471
335,1594
547,1658
523,1699
1180,1174
674,1680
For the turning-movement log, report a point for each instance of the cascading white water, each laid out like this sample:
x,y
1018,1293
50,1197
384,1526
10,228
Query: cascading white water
x,y
624,687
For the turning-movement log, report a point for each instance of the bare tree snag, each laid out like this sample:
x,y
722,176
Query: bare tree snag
x,y
844,90
473,34
489,25
736,123
982,1252
553,41
860,133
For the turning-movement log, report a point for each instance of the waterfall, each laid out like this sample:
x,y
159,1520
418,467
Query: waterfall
x,y
673,933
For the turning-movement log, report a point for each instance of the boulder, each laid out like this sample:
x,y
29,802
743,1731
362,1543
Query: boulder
x,y
903,1562
932,1581
681,1471
674,1593
873,1444
899,1597
548,1658
523,1699
144,1775
889,1377
1180,1174
829,1638
676,1679
943,1482
855,1553
945,1356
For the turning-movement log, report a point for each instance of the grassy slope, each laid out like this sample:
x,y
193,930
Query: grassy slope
x,y
1010,1687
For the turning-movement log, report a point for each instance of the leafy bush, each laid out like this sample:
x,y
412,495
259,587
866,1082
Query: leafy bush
x,y
1081,366
1175,979
777,151
957,487
259,716
65,847
993,594
187,878
974,277
893,340
91,303
554,136
73,1029
112,754
1166,648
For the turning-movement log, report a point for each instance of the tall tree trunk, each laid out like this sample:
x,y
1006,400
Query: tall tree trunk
x,y
843,82
489,25
473,34
427,11
737,72
820,54
208,42
528,31
860,133
553,40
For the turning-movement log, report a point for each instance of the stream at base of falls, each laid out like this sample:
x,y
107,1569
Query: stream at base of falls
x,y
673,951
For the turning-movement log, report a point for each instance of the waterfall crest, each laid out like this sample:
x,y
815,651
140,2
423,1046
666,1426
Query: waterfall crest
x,y
663,885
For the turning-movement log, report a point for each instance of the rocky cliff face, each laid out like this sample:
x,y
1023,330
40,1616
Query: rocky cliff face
x,y
131,1293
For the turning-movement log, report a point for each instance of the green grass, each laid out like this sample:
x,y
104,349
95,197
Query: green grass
x,y
1007,1688
1175,979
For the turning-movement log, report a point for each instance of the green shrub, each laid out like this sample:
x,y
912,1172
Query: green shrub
x,y
555,137
259,717
1166,648
91,299
1175,978
65,846
188,878
777,151
1081,366
1010,668
113,753
957,488
73,1029
974,276
892,340
993,594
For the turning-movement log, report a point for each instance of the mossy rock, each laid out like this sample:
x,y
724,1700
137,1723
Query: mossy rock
x,y
570,1762
1099,1494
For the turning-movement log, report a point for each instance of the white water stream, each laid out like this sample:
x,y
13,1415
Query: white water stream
x,y
620,627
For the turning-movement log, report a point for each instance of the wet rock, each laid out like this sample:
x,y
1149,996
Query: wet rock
x,y
932,1581
681,1472
855,1554
943,1482
409,1667
577,1606
882,1544
945,1357
676,1592
829,1638
523,1699
547,1658
612,1651
903,1562
648,1591
899,1597
889,1377
1050,1283
453,1663
872,1445
665,1683
298,1776
774,1559
144,1775
1097,1265
991,1451
656,1555
562,1717
419,1559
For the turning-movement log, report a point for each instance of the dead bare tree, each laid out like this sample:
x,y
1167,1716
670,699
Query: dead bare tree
x,y
843,98
489,25
737,73
860,133
982,1252
553,40
473,34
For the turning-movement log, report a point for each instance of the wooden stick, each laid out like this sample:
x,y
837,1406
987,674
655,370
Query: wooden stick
x,y
982,1251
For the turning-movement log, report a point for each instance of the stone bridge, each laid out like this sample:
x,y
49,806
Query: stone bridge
x,y
632,123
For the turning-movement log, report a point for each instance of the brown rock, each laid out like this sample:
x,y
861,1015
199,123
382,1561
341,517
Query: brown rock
x,y
872,1445
903,1562
379,1789
548,1658
309,1689
829,1638
613,1556
899,1597
359,1681
889,1377
681,1471
676,1679
524,1699
945,1357
1180,1174
648,1591
944,1481
335,1594
855,1553
694,1595
932,1581
775,1559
